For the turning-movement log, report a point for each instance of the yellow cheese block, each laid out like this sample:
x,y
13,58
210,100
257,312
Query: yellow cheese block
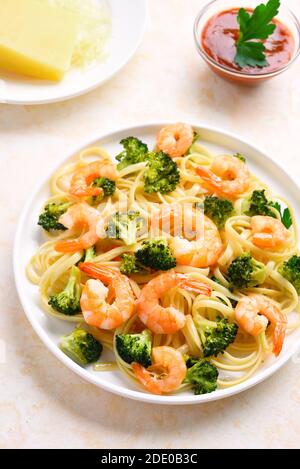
x,y
36,39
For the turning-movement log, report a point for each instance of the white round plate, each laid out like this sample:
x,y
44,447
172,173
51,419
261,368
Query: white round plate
x,y
128,25
29,238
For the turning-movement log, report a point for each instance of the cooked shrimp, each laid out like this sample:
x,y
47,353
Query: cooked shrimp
x,y
268,232
79,215
96,309
168,320
167,372
201,245
253,314
83,177
173,219
175,139
203,252
228,177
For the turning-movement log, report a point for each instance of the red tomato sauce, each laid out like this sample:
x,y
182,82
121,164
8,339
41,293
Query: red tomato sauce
x,y
222,31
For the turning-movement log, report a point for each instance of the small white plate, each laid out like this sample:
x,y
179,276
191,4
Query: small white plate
x,y
128,25
29,238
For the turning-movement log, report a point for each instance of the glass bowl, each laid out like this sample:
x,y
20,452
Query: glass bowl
x,y
285,15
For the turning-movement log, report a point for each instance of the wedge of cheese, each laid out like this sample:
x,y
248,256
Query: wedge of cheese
x,y
36,39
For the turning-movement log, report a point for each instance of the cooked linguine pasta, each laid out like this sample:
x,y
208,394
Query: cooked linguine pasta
x,y
49,268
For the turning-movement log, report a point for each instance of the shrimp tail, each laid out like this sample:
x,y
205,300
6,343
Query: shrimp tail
x,y
210,180
88,192
143,376
197,287
279,335
69,246
99,272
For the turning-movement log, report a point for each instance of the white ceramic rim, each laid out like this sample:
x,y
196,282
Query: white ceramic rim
x,y
99,83
175,399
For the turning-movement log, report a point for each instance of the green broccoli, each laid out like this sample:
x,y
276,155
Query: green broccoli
x,y
135,347
257,204
161,175
246,272
81,347
125,226
51,214
68,301
134,152
219,210
290,270
89,254
202,375
216,336
153,254
240,157
108,187
129,264
156,254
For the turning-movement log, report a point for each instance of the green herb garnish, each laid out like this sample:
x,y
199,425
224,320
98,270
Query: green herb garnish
x,y
286,217
254,28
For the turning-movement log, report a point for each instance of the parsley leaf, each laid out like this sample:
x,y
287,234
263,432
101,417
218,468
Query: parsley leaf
x,y
257,26
251,54
286,217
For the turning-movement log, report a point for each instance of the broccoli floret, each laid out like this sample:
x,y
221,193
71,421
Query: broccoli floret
x,y
135,347
81,347
246,272
134,152
106,184
125,226
129,264
68,301
108,187
156,254
162,174
51,214
216,336
240,157
257,204
219,210
202,375
89,254
290,270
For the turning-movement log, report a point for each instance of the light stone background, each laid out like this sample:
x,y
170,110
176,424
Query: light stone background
x,y
42,403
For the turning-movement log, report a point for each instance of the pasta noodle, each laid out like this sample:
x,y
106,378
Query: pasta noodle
x,y
49,269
